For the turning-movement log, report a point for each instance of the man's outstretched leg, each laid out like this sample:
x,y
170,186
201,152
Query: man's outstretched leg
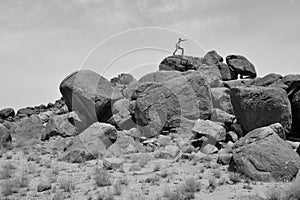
x,y
182,50
174,51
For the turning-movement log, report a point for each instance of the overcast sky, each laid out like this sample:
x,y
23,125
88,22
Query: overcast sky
x,y
41,42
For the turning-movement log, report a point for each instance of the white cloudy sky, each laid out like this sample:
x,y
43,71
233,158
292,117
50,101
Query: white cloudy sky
x,y
43,41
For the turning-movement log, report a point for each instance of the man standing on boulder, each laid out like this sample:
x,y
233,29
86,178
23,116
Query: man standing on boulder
x,y
177,46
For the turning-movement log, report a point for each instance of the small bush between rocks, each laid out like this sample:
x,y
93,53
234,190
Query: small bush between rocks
x,y
102,177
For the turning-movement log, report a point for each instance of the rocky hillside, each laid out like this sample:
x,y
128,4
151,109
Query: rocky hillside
x,y
198,128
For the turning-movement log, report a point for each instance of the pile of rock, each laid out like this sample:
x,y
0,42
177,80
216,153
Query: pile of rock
x,y
191,106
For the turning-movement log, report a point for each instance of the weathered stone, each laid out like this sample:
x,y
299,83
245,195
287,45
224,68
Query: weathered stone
x,y
162,105
209,149
5,137
163,140
221,116
221,99
113,163
62,125
122,115
263,156
180,63
224,159
90,143
7,112
43,186
210,129
226,72
170,152
295,103
212,75
267,80
88,93
25,112
231,136
28,129
256,107
45,116
237,83
212,57
159,76
241,65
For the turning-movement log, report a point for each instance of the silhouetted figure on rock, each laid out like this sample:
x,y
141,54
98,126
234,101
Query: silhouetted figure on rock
x,y
177,46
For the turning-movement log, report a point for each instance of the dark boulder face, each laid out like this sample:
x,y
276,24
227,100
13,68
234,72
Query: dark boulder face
x,y
180,63
226,72
5,137
241,65
26,112
295,103
256,107
7,112
212,57
263,156
163,105
88,93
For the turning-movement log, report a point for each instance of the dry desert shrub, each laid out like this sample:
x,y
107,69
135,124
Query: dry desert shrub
x,y
7,171
66,184
212,184
235,177
293,191
216,173
102,177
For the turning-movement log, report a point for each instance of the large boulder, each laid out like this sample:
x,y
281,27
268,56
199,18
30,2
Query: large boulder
x,y
295,103
88,93
227,73
267,80
212,57
162,105
241,65
263,156
26,112
91,143
28,129
159,76
256,107
7,112
62,125
212,74
180,63
5,137
221,99
122,115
